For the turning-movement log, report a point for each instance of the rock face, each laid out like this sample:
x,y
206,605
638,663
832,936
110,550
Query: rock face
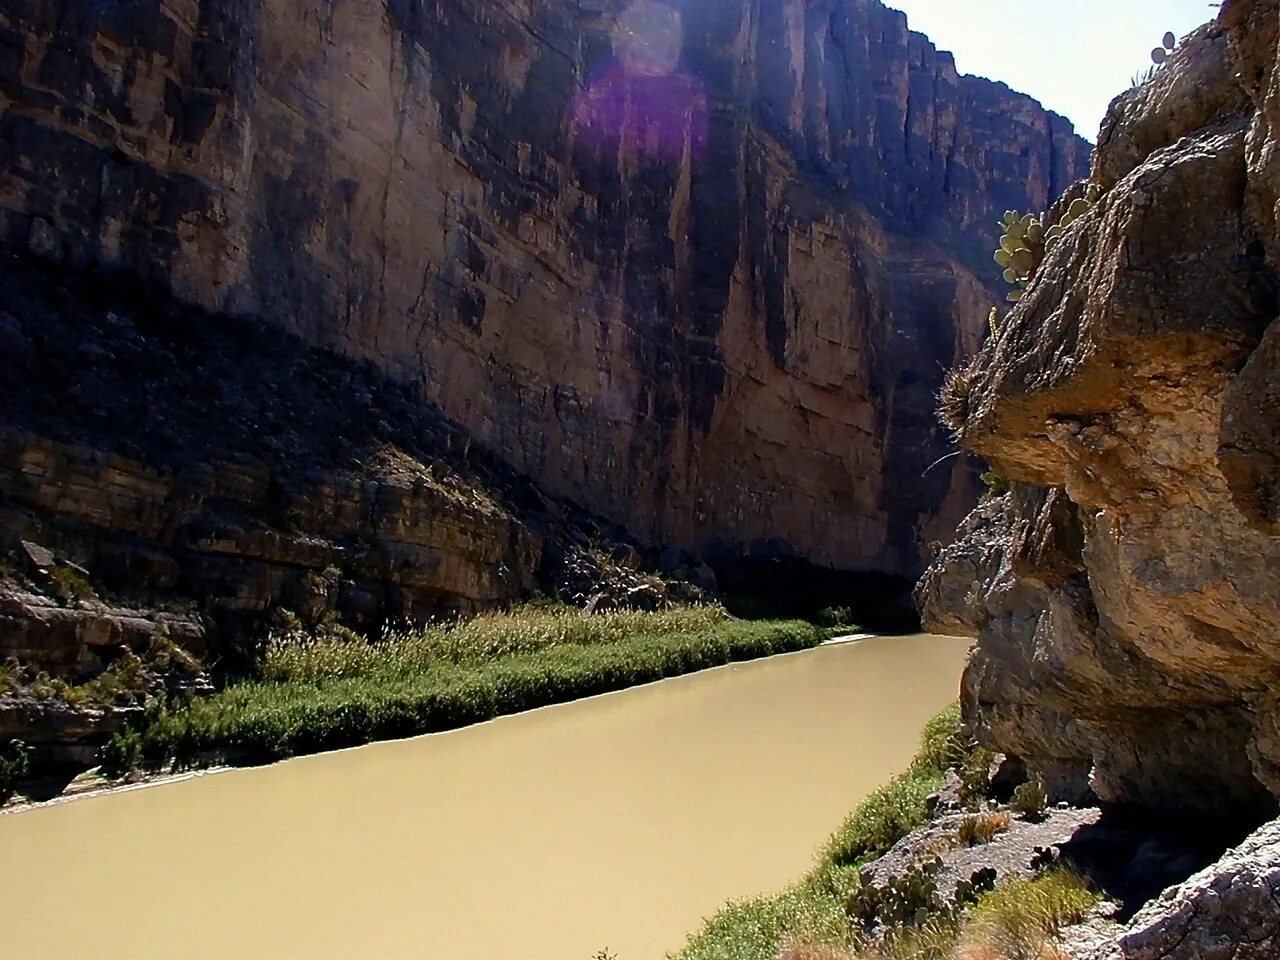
x,y
1226,912
1126,592
172,454
173,484
682,263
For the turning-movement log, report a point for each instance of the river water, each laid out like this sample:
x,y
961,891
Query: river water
x,y
617,822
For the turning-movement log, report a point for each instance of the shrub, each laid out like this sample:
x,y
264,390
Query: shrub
x,y
1168,44
1026,239
1159,57
69,584
997,486
1030,800
833,617
884,818
14,766
982,828
954,398
975,777
943,743
906,899
1019,920
121,755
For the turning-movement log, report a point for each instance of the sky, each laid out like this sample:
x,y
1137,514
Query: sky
x,y
1073,57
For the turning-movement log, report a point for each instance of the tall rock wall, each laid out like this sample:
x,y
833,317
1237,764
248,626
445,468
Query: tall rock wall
x,y
697,266
1126,593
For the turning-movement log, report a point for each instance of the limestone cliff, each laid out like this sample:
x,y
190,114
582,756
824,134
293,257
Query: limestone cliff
x,y
696,266
1126,593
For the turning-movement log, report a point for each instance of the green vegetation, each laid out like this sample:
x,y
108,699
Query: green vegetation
x,y
814,911
1159,57
13,768
997,486
828,915
338,690
975,777
131,680
1018,920
1026,239
1030,800
955,397
295,655
1161,54
838,621
69,584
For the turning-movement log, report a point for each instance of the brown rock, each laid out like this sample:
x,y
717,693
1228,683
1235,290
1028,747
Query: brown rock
x,y
1126,608
40,558
1230,911
725,323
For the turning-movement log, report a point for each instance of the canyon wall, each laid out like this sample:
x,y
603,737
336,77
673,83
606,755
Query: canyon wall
x,y
1126,592
696,266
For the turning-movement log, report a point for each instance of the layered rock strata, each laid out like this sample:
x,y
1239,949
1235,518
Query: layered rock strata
x,y
1125,594
696,266
174,484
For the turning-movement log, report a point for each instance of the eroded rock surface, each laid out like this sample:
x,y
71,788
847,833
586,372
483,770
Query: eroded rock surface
x,y
1230,911
696,266
1125,593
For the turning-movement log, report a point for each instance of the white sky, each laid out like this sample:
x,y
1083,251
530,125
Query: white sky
x,y
1072,57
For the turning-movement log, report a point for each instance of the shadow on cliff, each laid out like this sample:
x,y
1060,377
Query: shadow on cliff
x,y
767,581
1133,855
98,361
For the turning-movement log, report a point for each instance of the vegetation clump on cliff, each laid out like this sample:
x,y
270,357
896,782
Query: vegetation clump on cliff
x,y
13,767
1027,239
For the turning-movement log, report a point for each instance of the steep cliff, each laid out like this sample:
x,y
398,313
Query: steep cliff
x,y
1126,592
696,266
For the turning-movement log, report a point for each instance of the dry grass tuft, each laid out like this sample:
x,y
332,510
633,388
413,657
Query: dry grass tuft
x,y
297,655
1022,919
982,828
955,397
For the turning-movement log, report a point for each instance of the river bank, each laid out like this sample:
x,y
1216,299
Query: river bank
x,y
880,888
963,858
332,689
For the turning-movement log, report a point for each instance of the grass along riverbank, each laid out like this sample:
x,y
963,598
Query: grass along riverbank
x,y
813,919
339,690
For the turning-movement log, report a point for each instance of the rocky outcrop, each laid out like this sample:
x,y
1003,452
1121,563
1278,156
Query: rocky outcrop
x,y
1228,911
695,266
175,455
1125,593
175,484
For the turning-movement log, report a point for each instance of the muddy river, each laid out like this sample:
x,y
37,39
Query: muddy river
x,y
613,823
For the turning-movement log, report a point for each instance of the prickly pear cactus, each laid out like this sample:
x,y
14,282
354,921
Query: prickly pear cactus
x,y
1167,46
1026,239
